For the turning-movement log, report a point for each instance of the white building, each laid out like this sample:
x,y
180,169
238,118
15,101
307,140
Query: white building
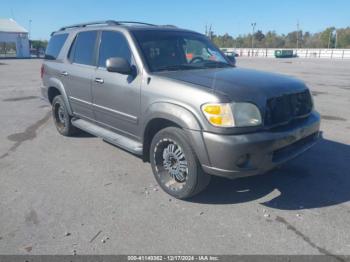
x,y
12,34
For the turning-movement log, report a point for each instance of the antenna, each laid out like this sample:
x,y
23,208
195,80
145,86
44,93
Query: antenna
x,y
12,14
30,29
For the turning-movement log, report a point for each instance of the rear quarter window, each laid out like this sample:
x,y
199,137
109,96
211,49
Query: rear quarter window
x,y
55,45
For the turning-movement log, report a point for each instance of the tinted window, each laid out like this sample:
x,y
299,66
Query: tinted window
x,y
82,51
55,45
178,50
113,44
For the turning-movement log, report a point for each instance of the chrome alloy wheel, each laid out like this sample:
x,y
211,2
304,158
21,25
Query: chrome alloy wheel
x,y
171,164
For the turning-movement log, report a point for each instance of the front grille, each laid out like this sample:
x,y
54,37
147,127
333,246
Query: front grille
x,y
283,109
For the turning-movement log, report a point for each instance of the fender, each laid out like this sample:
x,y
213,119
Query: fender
x,y
54,82
185,119
172,112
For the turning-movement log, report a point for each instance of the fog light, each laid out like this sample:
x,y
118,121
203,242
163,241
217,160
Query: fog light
x,y
243,160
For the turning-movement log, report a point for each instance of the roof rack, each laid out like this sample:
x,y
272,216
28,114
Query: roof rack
x,y
173,26
134,22
107,22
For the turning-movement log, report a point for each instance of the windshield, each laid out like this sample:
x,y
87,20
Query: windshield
x,y
177,50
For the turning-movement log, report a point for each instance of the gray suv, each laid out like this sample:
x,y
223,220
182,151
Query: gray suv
x,y
171,97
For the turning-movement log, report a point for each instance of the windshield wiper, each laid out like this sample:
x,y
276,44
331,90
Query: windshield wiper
x,y
174,67
219,64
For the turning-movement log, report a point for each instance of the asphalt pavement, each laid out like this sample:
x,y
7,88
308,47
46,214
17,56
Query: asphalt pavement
x,y
80,195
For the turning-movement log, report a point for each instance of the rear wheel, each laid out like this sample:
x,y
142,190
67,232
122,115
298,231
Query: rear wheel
x,y
175,164
61,117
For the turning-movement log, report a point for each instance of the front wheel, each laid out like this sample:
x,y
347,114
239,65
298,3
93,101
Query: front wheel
x,y
175,164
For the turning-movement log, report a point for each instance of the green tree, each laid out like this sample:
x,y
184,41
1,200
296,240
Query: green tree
x,y
343,38
327,38
271,39
37,44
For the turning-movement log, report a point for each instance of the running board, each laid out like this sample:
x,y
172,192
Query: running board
x,y
109,136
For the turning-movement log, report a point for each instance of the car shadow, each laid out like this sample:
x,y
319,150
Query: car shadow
x,y
318,178
83,134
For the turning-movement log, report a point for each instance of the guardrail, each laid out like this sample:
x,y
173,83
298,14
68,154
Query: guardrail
x,y
301,52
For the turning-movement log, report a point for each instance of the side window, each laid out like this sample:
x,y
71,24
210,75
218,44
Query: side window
x,y
195,48
113,44
163,52
83,48
55,45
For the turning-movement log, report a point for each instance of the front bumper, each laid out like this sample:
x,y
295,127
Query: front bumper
x,y
243,155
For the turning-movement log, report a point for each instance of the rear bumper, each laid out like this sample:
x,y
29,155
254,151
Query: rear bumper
x,y
236,156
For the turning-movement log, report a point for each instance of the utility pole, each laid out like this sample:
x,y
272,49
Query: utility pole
x,y
329,39
297,35
210,32
253,27
336,38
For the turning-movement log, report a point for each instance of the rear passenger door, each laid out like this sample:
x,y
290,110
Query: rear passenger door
x,y
77,76
116,96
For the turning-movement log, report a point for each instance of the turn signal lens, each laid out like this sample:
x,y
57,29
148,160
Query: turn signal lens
x,y
212,109
218,114
217,120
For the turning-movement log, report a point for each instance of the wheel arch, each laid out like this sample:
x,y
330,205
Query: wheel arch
x,y
161,115
56,88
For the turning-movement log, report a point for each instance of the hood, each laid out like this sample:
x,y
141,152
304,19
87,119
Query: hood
x,y
238,84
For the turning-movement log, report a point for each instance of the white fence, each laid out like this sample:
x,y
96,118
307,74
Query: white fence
x,y
302,53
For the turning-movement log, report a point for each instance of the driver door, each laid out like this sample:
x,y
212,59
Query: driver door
x,y
116,97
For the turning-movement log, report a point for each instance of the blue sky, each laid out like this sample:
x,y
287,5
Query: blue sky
x,y
231,16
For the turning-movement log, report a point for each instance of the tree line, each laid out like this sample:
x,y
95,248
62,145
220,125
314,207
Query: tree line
x,y
38,44
328,38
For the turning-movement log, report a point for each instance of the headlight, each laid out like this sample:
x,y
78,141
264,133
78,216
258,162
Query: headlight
x,y
232,115
246,114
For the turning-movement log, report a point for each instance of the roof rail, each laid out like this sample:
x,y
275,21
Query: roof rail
x,y
173,26
133,22
107,22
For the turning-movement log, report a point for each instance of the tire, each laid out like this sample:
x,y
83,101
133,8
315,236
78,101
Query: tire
x,y
61,117
175,164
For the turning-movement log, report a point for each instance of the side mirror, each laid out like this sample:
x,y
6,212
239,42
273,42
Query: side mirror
x,y
232,59
118,65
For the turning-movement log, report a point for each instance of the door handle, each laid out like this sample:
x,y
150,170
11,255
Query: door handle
x,y
64,73
99,80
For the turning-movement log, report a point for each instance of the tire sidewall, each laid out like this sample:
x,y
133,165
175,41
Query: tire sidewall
x,y
178,136
58,100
